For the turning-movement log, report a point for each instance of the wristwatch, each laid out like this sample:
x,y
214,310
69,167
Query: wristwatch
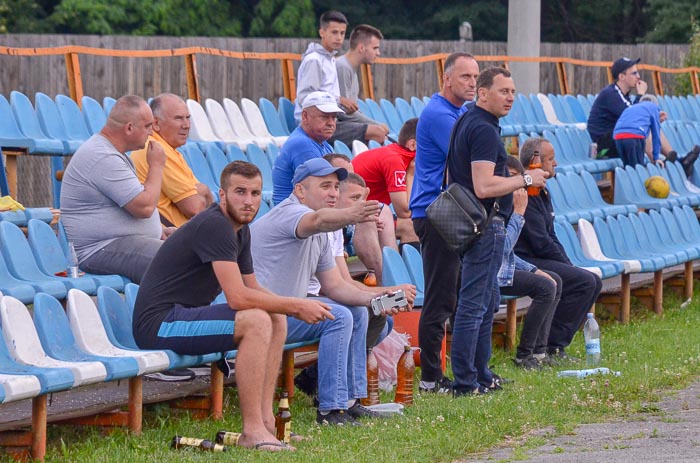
x,y
527,179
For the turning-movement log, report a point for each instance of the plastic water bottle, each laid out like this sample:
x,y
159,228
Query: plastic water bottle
x,y
405,371
372,380
583,373
591,333
73,270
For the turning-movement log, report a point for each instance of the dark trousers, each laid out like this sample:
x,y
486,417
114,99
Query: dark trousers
x,y
631,151
441,270
580,289
545,295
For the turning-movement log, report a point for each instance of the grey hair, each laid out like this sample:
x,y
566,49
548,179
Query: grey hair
x,y
651,98
531,146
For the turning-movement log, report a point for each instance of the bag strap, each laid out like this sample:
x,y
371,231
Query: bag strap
x,y
495,208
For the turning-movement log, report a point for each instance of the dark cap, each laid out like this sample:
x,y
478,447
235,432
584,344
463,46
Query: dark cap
x,y
622,65
318,167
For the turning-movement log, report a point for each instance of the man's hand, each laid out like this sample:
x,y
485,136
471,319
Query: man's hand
x,y
364,211
410,292
312,311
349,105
659,163
641,87
155,156
205,192
663,115
539,177
520,201
167,231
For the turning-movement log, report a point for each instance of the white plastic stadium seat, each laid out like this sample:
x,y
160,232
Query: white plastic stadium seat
x,y
358,147
25,347
256,121
221,125
200,129
240,126
591,247
90,335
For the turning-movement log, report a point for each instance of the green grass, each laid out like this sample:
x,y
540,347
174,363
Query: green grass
x,y
653,353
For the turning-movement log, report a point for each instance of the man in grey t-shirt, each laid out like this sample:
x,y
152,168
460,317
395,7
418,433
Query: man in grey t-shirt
x,y
111,218
289,245
353,124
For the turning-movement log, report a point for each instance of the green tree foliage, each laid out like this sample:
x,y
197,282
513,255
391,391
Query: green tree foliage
x,y
673,21
22,16
683,86
284,18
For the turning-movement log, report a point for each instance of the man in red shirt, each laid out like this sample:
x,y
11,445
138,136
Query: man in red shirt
x,y
388,172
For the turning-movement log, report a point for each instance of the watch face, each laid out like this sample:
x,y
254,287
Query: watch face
x,y
528,179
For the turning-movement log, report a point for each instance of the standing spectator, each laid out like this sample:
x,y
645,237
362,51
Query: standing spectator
x,y
477,161
109,215
440,264
635,124
385,170
181,194
538,244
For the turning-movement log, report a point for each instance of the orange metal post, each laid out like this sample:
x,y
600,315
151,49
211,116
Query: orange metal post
x,y
658,85
440,68
192,80
694,82
563,82
39,427
216,392
75,80
135,404
367,81
288,79
658,292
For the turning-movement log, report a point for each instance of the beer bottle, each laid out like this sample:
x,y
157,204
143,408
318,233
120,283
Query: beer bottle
x,y
227,438
535,163
203,444
404,377
372,380
283,420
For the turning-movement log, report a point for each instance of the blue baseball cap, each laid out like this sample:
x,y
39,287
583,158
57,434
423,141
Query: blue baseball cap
x,y
318,167
622,65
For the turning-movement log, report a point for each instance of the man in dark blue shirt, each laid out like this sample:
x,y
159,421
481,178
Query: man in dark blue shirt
x,y
477,161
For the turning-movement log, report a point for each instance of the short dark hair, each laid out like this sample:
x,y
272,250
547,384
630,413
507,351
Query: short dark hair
x,y
243,168
531,146
332,16
353,178
452,59
332,156
408,131
485,79
362,33
514,163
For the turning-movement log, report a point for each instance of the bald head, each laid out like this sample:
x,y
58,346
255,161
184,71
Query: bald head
x,y
171,119
129,123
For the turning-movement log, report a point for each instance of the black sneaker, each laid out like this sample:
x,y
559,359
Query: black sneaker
x,y
307,380
336,418
528,363
547,361
481,390
559,355
500,380
360,411
177,374
444,386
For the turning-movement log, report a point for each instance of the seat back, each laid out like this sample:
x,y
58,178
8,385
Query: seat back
x,y
414,265
258,157
107,104
358,147
131,290
340,147
418,105
234,153
285,109
49,117
219,121
200,128
404,109
95,117
216,160
8,124
195,159
254,118
377,113
46,247
272,118
25,116
237,119
576,108
394,270
116,318
73,119
391,115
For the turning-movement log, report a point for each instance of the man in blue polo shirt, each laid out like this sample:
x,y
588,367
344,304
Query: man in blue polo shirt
x,y
308,141
440,264
477,161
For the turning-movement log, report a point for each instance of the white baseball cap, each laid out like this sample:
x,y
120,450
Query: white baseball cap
x,y
324,101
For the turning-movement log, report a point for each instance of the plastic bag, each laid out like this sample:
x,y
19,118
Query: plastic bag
x,y
388,353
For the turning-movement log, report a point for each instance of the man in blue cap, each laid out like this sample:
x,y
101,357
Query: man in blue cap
x,y
290,245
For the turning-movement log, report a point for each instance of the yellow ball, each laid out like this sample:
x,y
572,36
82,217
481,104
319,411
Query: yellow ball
x,y
657,187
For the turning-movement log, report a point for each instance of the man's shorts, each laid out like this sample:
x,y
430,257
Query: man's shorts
x,y
197,330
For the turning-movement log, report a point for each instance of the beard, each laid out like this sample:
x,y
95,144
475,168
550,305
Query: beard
x,y
242,217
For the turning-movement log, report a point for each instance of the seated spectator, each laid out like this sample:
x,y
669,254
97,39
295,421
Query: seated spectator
x,y
366,240
317,72
308,141
354,125
385,169
352,190
518,277
293,235
109,215
209,254
182,195
538,244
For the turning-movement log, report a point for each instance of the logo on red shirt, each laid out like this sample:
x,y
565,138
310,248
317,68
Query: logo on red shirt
x,y
400,178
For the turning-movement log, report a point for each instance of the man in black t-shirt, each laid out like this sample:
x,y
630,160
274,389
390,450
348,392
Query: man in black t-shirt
x,y
477,160
209,254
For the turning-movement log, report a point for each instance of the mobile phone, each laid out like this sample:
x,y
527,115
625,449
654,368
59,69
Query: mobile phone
x,y
381,304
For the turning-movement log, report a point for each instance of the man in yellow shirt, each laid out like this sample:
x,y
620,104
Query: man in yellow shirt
x,y
181,194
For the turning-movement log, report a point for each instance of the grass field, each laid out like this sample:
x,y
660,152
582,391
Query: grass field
x,y
653,353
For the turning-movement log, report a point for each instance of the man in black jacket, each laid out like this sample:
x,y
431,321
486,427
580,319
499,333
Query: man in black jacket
x,y
539,245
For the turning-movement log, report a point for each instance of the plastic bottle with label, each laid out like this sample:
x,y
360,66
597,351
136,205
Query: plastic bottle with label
x,y
591,333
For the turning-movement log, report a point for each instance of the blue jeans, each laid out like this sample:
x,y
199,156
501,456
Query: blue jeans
x,y
342,356
479,297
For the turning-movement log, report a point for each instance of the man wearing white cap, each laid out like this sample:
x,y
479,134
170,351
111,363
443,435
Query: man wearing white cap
x,y
308,141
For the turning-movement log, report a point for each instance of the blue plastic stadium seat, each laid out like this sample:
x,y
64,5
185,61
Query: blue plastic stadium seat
x,y
285,109
404,109
272,118
73,119
95,117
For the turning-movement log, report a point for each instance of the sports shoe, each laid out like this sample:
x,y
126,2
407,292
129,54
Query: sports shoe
x,y
500,380
559,355
176,374
444,386
360,411
307,380
336,418
481,390
546,360
527,363
689,159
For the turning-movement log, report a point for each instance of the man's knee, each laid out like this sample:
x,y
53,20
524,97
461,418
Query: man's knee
x,y
279,325
252,323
